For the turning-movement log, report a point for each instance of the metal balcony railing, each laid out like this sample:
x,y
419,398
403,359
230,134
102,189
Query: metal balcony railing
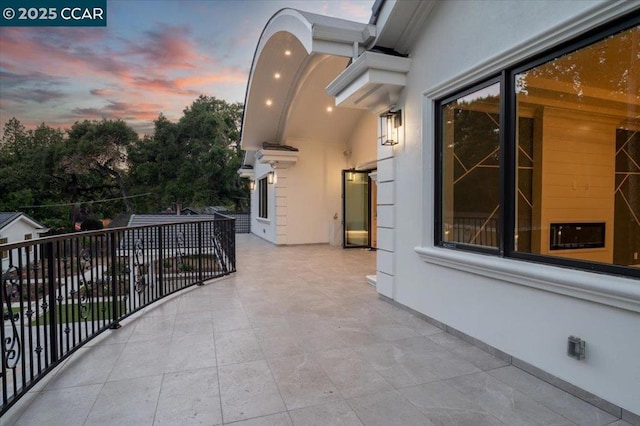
x,y
57,293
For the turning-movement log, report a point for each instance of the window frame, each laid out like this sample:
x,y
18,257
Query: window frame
x,y
263,198
438,169
4,254
508,152
29,237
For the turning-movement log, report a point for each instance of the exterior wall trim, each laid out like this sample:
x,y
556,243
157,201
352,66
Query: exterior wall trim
x,y
563,32
619,292
580,393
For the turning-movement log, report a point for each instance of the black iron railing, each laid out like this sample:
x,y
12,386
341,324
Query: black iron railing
x,y
243,220
481,231
57,293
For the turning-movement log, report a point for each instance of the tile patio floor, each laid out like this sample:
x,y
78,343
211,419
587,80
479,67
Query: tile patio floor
x,y
296,336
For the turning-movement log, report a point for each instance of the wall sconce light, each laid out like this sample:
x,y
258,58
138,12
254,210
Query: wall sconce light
x,y
389,122
252,185
271,178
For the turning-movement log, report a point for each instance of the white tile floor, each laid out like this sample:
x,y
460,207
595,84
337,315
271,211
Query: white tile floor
x,y
295,337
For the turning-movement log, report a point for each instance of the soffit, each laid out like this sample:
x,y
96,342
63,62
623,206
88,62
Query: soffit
x,y
279,79
373,81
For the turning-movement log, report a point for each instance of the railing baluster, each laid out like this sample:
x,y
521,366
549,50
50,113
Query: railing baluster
x,y
161,260
53,338
200,274
115,281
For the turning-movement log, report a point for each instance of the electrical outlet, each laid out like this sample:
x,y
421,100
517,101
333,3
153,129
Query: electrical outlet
x,y
635,256
576,348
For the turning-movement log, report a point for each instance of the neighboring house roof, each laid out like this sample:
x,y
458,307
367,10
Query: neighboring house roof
x,y
120,221
174,237
158,219
7,218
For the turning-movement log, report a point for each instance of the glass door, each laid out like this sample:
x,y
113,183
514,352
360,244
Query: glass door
x,y
356,202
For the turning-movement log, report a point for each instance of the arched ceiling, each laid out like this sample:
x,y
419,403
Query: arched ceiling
x,y
297,56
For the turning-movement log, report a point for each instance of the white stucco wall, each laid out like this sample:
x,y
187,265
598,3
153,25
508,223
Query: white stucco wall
x,y
363,141
264,228
530,324
308,195
314,191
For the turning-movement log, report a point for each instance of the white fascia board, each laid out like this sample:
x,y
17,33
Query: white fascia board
x,y
324,47
276,158
367,94
249,158
310,28
373,81
29,221
361,34
365,62
290,21
245,173
623,293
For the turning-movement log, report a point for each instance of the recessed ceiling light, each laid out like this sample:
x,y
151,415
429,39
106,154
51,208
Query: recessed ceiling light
x,y
329,108
276,75
287,52
269,102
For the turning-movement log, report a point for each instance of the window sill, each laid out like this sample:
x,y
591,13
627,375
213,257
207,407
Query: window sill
x,y
263,220
623,293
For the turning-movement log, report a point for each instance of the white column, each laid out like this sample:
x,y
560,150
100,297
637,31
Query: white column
x,y
385,265
281,206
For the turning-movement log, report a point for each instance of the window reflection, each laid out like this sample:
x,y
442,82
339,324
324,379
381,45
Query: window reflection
x,y
471,148
578,152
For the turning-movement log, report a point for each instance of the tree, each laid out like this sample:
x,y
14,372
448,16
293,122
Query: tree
x,y
27,163
96,158
191,162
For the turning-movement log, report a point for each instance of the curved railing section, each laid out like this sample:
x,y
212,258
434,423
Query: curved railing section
x,y
58,293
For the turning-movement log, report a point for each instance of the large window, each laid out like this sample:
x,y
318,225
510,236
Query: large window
x,y
556,178
263,210
470,169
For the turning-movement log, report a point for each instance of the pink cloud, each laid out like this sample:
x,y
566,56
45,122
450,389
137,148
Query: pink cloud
x,y
35,51
168,47
115,110
101,92
162,71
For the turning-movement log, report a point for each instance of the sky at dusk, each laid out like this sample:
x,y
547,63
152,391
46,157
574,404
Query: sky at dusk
x,y
154,56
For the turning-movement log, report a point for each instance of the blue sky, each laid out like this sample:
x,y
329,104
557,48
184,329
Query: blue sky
x,y
154,56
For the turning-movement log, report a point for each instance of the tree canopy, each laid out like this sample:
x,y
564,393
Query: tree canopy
x,y
99,169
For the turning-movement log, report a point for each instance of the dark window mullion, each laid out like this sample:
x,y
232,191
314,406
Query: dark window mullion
x,y
437,170
508,148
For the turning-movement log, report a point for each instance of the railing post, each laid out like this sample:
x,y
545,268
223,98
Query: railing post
x,y
53,335
200,279
115,301
161,259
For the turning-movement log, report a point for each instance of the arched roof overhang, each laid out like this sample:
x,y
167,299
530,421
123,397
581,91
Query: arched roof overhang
x,y
297,56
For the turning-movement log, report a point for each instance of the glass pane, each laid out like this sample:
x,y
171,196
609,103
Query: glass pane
x,y
471,148
356,209
579,154
263,208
